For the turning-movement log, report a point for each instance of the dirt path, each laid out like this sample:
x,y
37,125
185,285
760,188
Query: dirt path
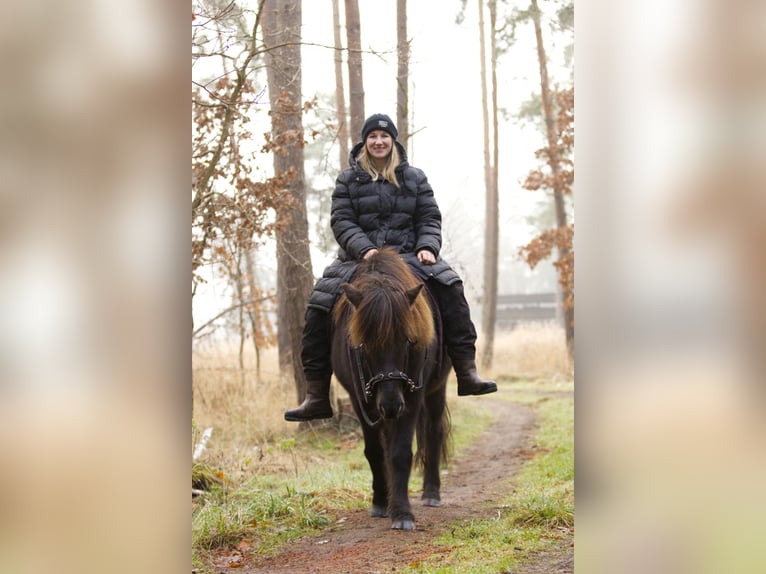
x,y
475,482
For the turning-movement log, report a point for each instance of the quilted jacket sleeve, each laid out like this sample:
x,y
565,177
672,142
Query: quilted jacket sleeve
x,y
428,217
345,221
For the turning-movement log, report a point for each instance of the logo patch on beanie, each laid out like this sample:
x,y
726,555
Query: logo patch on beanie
x,y
383,123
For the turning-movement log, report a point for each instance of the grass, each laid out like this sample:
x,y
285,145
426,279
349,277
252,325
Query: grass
x,y
270,508
537,516
535,351
269,483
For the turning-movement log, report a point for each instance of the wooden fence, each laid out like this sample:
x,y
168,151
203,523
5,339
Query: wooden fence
x,y
526,308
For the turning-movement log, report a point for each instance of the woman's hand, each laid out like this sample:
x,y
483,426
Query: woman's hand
x,y
370,253
426,257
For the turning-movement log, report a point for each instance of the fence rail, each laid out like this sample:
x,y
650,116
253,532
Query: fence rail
x,y
516,308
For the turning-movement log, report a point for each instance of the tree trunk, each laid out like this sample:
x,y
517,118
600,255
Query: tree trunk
x,y
340,94
551,132
403,72
238,281
355,81
493,205
251,294
282,36
489,298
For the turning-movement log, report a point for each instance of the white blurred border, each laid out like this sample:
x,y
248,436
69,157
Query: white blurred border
x,y
670,269
94,335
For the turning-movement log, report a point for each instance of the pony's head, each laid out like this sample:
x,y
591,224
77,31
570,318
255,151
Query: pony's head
x,y
390,322
386,304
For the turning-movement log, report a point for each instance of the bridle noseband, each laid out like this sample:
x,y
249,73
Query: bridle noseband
x,y
368,383
369,386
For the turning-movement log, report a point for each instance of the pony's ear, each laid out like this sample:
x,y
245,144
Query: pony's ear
x,y
413,293
352,293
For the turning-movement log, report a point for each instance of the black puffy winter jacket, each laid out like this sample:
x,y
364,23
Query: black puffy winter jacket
x,y
369,214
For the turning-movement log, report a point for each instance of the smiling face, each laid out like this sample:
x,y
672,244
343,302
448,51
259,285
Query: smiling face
x,y
379,145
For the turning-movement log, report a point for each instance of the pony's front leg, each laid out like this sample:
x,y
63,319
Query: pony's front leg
x,y
373,451
400,460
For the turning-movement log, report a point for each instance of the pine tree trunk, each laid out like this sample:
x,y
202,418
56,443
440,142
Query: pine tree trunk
x,y
252,317
403,73
355,81
489,298
238,280
282,36
340,94
553,158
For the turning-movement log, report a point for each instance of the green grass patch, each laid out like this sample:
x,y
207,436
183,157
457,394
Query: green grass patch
x,y
271,509
329,476
535,517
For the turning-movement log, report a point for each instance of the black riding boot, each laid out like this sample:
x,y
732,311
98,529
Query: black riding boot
x,y
317,402
460,338
468,380
315,357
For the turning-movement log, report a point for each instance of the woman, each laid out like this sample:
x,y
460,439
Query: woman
x,y
382,201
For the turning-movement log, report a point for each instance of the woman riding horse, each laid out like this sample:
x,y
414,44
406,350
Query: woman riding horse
x,y
383,201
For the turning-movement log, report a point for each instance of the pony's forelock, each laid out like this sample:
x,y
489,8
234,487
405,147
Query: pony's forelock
x,y
384,314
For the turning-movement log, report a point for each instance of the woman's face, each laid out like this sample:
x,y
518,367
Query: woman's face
x,y
379,144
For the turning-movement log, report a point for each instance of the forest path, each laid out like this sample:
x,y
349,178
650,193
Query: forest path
x,y
476,481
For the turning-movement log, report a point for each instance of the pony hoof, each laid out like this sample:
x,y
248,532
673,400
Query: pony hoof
x,y
378,511
404,524
432,502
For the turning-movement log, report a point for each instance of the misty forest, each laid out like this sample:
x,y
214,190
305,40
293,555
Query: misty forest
x,y
482,95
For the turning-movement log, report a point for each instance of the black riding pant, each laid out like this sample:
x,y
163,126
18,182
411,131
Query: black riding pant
x,y
316,344
459,331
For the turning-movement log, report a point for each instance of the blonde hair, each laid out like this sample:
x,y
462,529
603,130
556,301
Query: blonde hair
x,y
388,173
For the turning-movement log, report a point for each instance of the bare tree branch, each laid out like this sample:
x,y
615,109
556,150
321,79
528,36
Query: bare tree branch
x,y
209,322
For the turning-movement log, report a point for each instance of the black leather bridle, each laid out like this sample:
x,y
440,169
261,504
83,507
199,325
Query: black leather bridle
x,y
367,382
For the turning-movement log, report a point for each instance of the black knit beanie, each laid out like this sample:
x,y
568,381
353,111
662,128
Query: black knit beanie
x,y
379,122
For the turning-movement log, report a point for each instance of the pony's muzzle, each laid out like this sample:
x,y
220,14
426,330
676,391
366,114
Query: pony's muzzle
x,y
390,407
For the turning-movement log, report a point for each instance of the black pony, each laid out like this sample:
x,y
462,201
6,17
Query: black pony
x,y
388,353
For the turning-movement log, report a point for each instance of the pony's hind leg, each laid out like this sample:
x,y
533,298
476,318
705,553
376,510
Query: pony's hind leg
x,y
431,499
435,432
378,511
403,524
